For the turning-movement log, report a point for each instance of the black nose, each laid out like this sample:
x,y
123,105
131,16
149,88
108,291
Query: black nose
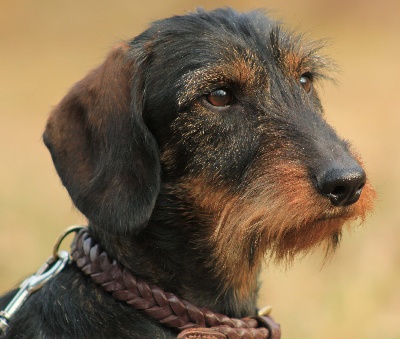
x,y
342,186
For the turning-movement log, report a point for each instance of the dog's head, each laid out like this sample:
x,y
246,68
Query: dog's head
x,y
221,109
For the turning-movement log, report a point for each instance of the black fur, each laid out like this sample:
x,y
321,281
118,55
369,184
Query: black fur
x,y
136,142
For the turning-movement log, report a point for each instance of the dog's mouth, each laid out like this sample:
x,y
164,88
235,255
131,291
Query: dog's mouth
x,y
336,213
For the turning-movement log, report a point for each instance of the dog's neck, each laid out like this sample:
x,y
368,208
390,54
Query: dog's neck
x,y
173,252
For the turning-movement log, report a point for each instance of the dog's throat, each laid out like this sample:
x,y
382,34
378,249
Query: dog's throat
x,y
165,307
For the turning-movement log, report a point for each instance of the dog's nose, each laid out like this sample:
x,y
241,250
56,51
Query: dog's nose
x,y
343,186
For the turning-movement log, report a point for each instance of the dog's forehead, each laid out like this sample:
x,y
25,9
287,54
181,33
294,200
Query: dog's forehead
x,y
201,50
217,37
198,52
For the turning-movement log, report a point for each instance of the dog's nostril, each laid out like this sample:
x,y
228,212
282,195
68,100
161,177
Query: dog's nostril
x,y
343,186
339,190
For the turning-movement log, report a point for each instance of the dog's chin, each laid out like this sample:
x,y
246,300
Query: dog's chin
x,y
322,231
277,222
300,240
312,224
288,227
336,213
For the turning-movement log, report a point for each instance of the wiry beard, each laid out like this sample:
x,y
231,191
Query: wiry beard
x,y
278,217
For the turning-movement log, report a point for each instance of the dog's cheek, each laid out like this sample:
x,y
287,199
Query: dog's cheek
x,y
223,145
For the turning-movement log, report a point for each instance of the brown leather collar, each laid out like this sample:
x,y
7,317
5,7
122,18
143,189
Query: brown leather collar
x,y
167,308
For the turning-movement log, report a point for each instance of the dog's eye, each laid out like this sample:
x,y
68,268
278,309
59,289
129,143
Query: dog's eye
x,y
220,97
306,81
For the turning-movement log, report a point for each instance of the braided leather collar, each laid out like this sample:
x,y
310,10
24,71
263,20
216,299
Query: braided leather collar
x,y
191,321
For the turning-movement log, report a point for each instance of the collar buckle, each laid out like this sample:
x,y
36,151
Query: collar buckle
x,y
54,265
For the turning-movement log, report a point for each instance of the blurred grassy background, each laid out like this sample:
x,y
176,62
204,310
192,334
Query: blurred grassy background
x,y
46,46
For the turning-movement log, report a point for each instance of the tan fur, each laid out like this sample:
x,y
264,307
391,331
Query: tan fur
x,y
279,214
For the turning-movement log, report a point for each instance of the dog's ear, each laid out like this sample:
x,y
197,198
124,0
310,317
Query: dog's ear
x,y
105,155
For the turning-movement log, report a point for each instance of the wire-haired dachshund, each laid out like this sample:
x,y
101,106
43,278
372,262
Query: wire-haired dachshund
x,y
195,150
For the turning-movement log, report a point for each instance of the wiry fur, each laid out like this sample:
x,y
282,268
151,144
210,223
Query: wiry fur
x,y
188,195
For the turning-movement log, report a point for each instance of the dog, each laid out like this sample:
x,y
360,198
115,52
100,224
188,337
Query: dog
x,y
195,150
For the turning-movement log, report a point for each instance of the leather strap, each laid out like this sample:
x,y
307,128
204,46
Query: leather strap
x,y
192,322
273,332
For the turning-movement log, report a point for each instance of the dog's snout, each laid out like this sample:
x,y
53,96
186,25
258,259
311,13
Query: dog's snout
x,y
342,185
